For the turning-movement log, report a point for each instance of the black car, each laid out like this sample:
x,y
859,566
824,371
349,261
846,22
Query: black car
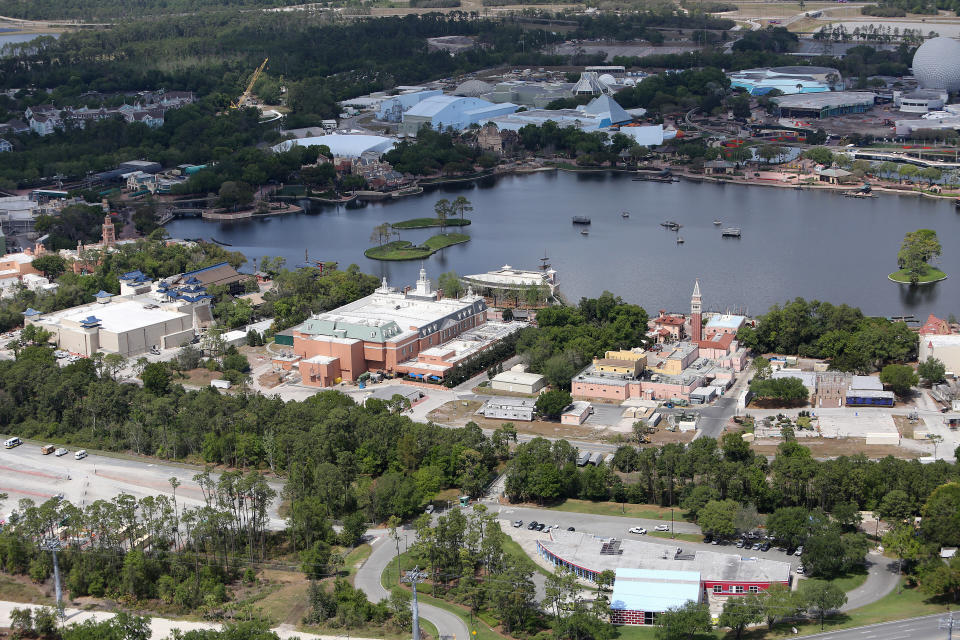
x,y
540,526
707,539
570,529
532,525
765,546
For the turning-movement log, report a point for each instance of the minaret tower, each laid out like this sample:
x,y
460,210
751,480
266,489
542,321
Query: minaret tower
x,y
696,307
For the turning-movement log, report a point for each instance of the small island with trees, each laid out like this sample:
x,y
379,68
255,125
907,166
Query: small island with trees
x,y
404,249
917,250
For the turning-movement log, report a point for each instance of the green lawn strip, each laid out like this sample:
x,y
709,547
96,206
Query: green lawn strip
x,y
686,537
353,560
930,274
425,223
484,632
405,250
647,511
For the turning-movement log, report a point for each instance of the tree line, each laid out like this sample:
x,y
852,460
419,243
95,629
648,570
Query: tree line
x,y
842,334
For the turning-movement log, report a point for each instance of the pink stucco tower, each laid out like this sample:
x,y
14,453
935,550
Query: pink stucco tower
x,y
696,308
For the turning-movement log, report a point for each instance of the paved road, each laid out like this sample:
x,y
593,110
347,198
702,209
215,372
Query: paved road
x,y
881,580
925,628
713,418
159,627
368,581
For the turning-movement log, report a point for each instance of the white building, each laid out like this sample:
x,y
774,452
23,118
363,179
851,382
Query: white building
x,y
946,349
451,112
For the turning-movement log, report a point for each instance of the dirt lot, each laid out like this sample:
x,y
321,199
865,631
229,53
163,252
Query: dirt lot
x,y
831,448
905,427
201,377
461,412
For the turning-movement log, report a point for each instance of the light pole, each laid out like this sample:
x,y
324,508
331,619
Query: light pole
x,y
53,545
672,535
412,577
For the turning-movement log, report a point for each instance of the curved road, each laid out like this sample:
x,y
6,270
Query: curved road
x,y
368,581
881,580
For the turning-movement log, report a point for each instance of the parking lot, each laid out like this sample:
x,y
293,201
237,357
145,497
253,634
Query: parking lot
x,y
26,473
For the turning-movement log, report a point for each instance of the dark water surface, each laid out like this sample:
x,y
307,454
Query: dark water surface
x,y
794,243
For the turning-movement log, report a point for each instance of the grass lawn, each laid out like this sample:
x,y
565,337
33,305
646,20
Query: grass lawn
x,y
404,250
398,250
648,511
848,582
930,274
513,549
424,223
442,240
687,537
355,559
21,590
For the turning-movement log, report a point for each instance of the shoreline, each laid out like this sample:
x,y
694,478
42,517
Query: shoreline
x,y
684,176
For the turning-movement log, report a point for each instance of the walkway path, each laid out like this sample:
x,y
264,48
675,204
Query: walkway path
x,y
367,580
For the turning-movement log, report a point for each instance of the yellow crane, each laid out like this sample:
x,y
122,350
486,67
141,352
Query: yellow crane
x,y
244,98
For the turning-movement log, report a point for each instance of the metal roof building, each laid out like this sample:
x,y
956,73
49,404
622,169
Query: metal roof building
x,y
640,594
824,105
455,112
341,144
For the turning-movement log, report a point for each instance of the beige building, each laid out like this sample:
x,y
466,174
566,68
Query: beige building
x,y
127,327
165,314
518,382
946,349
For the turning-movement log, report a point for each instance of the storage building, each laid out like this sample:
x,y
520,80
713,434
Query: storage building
x,y
518,382
639,595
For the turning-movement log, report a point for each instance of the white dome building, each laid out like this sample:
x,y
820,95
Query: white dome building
x,y
608,80
936,64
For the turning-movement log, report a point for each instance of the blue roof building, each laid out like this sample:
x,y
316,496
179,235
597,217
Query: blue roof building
x,y
640,594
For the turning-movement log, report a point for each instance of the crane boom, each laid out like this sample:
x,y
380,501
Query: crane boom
x,y
245,96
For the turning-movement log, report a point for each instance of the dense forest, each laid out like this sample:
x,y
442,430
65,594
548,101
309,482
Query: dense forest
x,y
842,334
120,10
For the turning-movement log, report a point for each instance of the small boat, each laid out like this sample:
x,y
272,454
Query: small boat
x,y
731,232
670,224
584,232
717,221
220,242
581,220
680,240
624,214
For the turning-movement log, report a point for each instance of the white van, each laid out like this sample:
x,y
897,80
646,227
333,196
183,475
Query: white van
x,y
80,455
10,443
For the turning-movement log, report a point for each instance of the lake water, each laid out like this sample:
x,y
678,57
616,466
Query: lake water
x,y
8,36
795,243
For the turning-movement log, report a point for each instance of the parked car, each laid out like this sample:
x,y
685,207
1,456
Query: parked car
x,y
662,527
61,452
570,529
740,543
637,530
540,526
47,449
765,547
799,551
800,570
429,508
708,538
532,525
756,546
80,455
517,524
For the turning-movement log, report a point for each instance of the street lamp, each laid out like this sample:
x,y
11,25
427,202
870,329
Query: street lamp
x,y
672,535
